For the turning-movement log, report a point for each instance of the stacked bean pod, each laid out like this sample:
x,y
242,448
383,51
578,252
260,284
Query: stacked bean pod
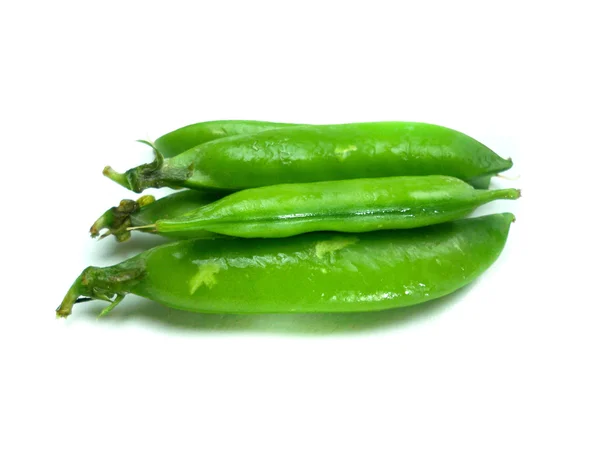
x,y
281,217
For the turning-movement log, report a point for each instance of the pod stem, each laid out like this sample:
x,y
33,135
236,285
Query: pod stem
x,y
120,178
118,219
156,174
109,284
124,179
74,292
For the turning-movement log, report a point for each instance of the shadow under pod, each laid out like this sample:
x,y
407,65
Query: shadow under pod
x,y
138,309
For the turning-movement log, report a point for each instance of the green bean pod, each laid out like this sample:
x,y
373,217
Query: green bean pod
x,y
316,272
352,206
310,153
147,210
182,139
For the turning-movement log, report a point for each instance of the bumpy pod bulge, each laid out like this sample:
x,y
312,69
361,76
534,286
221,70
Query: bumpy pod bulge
x,y
314,153
316,272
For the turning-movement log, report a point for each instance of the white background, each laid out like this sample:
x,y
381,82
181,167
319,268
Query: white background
x,y
509,363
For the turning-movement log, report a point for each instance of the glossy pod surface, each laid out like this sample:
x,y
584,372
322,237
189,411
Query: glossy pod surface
x,y
352,206
311,153
146,211
174,205
317,272
184,138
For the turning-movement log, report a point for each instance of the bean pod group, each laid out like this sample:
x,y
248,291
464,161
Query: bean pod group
x,y
304,218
